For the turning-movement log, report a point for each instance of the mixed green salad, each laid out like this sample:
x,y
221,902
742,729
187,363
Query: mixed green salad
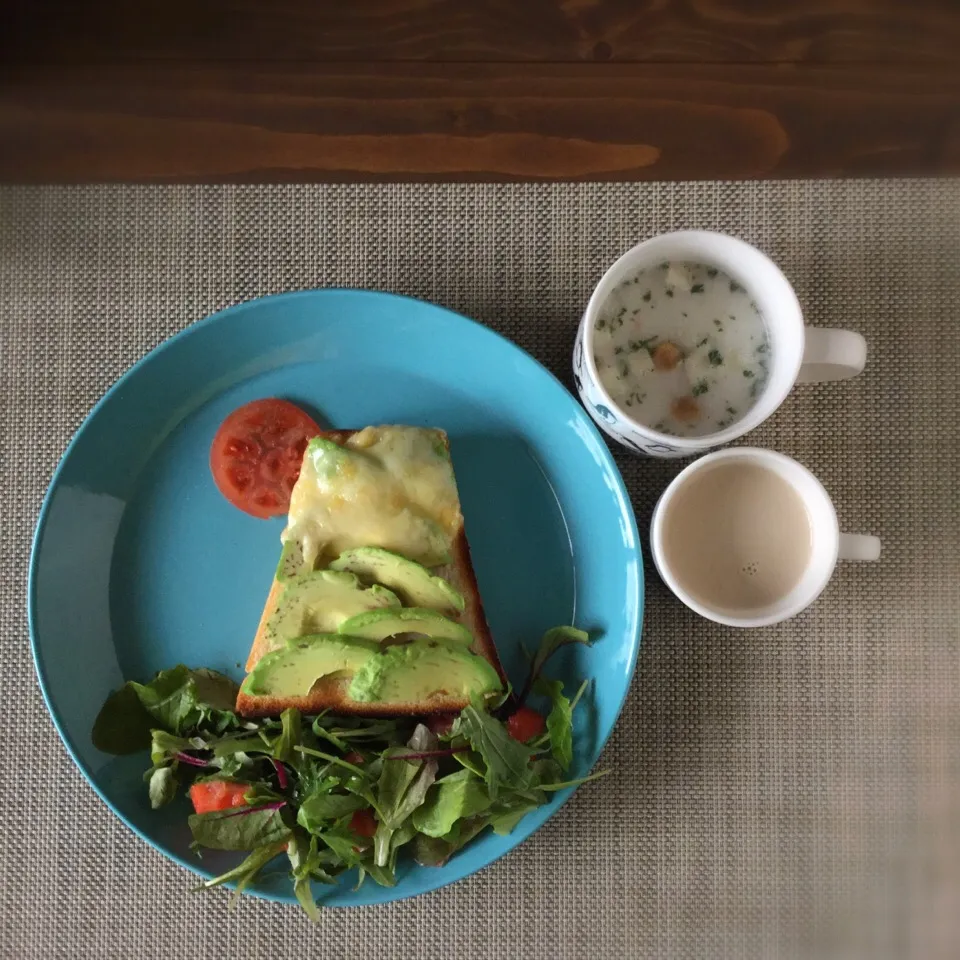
x,y
336,793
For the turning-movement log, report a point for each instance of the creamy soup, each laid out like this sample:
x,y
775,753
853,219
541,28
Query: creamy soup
x,y
682,348
737,537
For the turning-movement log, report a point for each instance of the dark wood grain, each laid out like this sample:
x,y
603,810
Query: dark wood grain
x,y
701,31
466,122
477,89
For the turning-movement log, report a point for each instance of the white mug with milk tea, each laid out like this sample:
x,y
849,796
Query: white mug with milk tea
x,y
692,339
748,537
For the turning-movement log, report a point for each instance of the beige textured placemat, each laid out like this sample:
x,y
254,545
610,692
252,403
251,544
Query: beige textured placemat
x,y
788,792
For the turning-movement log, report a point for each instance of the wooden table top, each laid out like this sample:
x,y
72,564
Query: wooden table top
x,y
307,90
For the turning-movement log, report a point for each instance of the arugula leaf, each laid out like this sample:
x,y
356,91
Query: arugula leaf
x,y
289,738
550,643
550,787
507,760
546,770
472,761
165,746
299,853
244,872
306,864
507,818
239,829
559,721
382,875
338,730
361,787
330,758
454,797
344,843
319,808
163,787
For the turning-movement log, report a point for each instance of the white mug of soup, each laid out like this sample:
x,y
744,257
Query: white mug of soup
x,y
692,339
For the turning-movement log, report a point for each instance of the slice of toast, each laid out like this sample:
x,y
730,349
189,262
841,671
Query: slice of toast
x,y
330,693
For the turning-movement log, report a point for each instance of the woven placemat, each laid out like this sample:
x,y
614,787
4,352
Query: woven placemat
x,y
787,792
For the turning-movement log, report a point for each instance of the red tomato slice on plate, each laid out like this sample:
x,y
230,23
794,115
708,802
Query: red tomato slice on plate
x,y
256,455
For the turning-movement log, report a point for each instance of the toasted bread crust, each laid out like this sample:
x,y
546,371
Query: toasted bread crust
x,y
330,693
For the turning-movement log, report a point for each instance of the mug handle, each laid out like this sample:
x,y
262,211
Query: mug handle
x,y
859,546
831,355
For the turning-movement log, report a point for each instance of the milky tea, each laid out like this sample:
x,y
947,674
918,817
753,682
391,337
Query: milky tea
x,y
737,537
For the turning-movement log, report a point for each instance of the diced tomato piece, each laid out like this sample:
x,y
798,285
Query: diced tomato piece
x,y
440,724
211,795
363,823
525,724
353,757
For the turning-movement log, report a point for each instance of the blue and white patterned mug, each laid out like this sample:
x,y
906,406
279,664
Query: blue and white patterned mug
x,y
798,353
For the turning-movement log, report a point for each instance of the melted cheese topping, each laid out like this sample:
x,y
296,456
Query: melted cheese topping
x,y
390,487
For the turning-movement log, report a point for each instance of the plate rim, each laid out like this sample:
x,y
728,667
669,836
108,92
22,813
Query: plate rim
x,y
635,633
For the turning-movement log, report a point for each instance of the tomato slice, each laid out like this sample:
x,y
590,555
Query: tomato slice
x,y
256,455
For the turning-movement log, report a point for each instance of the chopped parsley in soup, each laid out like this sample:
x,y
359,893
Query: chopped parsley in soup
x,y
682,348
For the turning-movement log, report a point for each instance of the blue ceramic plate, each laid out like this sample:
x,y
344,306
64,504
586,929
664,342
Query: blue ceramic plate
x,y
139,563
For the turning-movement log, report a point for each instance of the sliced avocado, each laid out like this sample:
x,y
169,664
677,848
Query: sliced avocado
x,y
419,671
380,624
412,582
318,602
292,561
293,670
326,456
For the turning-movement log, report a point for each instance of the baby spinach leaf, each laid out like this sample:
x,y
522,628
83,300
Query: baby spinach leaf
x,y
401,789
239,829
214,691
395,780
507,760
176,700
453,797
163,787
170,698
435,851
242,743
123,723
